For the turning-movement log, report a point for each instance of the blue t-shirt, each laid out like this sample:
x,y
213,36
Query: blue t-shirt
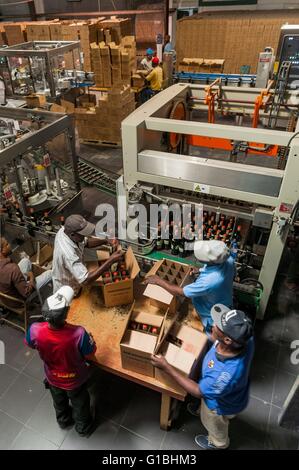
x,y
225,381
214,285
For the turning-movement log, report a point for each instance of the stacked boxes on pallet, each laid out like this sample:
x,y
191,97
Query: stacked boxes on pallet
x,y
114,64
103,122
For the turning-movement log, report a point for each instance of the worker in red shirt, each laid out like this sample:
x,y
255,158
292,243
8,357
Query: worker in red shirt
x,y
64,348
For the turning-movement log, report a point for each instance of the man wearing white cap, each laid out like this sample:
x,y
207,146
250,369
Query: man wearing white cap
x,y
70,241
214,283
64,349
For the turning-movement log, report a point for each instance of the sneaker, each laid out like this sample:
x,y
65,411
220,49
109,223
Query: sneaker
x,y
67,424
194,408
204,443
91,428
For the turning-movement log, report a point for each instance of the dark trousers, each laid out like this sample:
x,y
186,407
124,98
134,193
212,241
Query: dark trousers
x,y
80,401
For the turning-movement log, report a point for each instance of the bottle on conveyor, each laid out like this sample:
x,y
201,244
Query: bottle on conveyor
x,y
167,240
32,218
47,223
19,214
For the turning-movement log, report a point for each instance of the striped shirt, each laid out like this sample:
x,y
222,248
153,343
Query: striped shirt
x,y
68,268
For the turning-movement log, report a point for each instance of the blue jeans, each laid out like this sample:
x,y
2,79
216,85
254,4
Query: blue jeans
x,y
25,266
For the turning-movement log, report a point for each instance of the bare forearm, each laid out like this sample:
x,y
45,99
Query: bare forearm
x,y
187,384
171,288
94,242
93,275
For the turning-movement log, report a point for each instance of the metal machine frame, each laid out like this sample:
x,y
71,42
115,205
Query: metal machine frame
x,y
270,189
54,124
48,50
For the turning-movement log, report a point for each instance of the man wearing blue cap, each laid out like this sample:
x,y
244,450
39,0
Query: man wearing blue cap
x,y
224,384
146,62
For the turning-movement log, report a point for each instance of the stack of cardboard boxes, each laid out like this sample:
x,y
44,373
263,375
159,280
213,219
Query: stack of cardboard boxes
x,y
152,327
102,122
38,31
199,65
114,64
15,33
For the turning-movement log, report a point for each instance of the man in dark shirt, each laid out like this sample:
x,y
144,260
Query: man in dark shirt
x,y
14,281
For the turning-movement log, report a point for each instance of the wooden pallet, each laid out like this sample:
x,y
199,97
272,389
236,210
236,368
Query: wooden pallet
x,y
101,143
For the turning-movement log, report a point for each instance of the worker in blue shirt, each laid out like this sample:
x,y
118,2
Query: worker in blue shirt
x,y
224,384
214,283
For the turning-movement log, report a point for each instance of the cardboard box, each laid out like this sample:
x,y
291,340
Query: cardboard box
x,y
138,345
122,292
184,349
42,256
173,272
35,100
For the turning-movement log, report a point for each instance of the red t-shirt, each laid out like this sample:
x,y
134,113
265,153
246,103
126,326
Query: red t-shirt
x,y
63,352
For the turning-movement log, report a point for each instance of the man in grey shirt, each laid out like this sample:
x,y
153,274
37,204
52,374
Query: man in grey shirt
x,y
68,267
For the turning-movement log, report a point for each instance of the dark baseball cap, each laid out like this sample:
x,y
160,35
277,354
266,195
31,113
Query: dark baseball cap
x,y
233,323
77,224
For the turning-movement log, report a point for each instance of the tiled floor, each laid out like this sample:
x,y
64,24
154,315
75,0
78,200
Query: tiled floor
x,y
128,415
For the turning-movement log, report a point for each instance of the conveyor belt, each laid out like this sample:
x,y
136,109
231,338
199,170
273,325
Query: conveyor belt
x,y
93,176
207,78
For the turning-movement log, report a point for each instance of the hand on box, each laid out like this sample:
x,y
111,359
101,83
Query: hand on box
x,y
152,280
112,242
194,272
117,256
159,361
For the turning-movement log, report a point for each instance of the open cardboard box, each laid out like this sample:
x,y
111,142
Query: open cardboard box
x,y
173,272
136,345
122,292
184,348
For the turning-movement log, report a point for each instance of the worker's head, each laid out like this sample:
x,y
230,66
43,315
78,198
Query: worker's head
x,y
149,53
76,228
56,307
211,251
231,327
155,61
4,247
166,38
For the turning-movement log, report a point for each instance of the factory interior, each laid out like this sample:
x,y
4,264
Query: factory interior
x,y
149,225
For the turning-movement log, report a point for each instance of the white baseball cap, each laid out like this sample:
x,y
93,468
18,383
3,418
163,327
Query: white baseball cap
x,y
57,304
211,251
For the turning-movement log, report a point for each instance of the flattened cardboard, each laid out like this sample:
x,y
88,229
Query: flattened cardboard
x,y
158,295
185,358
137,347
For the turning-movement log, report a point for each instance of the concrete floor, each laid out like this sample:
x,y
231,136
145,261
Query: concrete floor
x,y
27,418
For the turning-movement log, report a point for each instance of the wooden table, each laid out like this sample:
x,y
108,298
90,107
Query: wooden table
x,y
107,327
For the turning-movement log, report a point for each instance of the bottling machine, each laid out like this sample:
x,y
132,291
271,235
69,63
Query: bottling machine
x,y
233,165
46,67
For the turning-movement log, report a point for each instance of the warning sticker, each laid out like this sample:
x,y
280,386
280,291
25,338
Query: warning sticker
x,y
201,188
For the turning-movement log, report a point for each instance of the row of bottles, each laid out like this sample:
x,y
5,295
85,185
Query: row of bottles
x,y
179,238
153,330
34,220
118,272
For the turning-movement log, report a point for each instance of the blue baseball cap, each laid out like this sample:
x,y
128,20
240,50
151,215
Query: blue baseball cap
x,y
233,323
149,51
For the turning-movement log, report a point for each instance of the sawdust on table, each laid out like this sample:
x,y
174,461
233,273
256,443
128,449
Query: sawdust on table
x,y
93,314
